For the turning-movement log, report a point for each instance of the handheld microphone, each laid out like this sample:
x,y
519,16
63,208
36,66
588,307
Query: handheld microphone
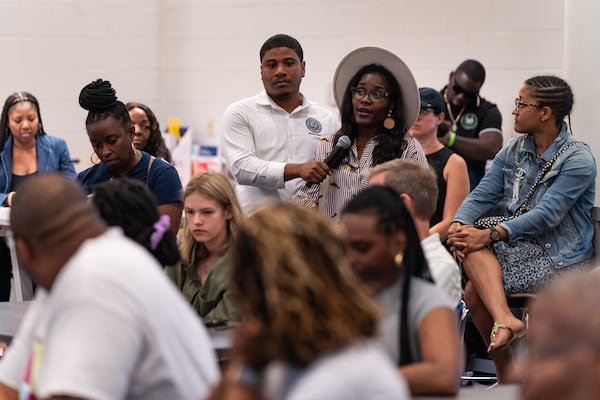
x,y
338,153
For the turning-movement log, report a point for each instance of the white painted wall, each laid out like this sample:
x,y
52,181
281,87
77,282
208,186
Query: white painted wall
x,y
582,64
191,58
52,48
217,44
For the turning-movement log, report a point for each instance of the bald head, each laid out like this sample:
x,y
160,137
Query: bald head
x,y
571,306
49,208
564,341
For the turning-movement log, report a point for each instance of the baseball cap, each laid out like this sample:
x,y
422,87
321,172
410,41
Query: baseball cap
x,y
431,99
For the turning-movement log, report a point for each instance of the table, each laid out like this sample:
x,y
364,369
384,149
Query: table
x,y
498,392
21,284
11,315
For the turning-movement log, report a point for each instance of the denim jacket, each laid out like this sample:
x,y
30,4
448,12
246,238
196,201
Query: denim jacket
x,y
559,213
52,155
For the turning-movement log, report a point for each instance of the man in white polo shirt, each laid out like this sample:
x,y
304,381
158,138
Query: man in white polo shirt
x,y
269,140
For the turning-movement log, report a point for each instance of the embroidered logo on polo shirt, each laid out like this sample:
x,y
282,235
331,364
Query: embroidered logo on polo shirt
x,y
469,121
313,125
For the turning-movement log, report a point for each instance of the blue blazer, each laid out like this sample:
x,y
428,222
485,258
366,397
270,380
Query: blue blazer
x,y
52,156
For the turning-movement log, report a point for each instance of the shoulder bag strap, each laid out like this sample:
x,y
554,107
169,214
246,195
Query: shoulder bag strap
x,y
540,176
149,166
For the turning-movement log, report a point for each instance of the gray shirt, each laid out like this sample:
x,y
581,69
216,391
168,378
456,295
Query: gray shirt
x,y
424,298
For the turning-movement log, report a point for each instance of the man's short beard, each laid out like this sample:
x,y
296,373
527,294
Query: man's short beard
x,y
281,96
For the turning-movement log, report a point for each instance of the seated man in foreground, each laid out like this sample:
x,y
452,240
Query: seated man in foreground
x,y
106,323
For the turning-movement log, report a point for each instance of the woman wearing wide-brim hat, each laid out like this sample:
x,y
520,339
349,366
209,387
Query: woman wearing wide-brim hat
x,y
378,101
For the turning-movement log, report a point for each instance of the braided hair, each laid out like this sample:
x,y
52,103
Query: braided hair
x,y
390,142
15,98
156,144
100,99
553,92
128,203
392,217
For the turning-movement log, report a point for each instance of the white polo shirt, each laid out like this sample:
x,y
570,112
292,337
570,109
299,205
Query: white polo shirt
x,y
259,138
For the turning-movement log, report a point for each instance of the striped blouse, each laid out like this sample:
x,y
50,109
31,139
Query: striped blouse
x,y
349,178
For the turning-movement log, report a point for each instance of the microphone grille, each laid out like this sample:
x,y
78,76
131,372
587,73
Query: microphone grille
x,y
344,142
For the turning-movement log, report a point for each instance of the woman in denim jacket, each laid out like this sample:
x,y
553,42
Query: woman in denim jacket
x,y
556,226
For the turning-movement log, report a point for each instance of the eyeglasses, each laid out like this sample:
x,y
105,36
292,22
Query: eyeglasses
x,y
375,95
457,89
519,105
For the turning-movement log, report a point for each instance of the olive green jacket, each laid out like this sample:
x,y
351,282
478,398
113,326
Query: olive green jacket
x,y
212,300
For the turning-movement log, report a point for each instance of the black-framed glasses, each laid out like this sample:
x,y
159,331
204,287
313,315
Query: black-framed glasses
x,y
520,105
457,89
375,95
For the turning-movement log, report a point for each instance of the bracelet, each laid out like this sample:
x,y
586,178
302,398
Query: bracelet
x,y
451,139
245,375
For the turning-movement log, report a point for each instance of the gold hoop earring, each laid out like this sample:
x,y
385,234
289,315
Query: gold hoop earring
x,y
94,159
389,122
398,259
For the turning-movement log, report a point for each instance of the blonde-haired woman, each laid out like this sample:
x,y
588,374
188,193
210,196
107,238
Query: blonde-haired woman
x,y
212,218
308,326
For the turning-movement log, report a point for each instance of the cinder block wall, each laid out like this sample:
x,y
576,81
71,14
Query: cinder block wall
x,y
209,49
191,58
53,48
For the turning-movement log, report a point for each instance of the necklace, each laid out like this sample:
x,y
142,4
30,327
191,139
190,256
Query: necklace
x,y
451,115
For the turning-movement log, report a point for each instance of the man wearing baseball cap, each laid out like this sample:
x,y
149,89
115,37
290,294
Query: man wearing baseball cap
x,y
451,169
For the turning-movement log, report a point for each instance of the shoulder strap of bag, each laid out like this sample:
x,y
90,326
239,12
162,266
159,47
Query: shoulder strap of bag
x,y
540,176
149,166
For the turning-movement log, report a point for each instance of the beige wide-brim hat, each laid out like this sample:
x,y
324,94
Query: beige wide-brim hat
x,y
358,58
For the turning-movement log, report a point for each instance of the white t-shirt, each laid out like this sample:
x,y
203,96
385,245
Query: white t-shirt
x,y
444,269
111,327
358,372
259,138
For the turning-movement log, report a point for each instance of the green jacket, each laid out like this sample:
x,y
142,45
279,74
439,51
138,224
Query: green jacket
x,y
212,301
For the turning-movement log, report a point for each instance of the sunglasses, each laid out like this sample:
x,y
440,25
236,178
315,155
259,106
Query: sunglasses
x,y
457,89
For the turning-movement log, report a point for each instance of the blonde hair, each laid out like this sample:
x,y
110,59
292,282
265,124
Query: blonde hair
x,y
413,178
289,271
217,187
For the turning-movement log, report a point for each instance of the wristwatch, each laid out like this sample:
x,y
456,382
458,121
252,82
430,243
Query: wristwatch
x,y
495,234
